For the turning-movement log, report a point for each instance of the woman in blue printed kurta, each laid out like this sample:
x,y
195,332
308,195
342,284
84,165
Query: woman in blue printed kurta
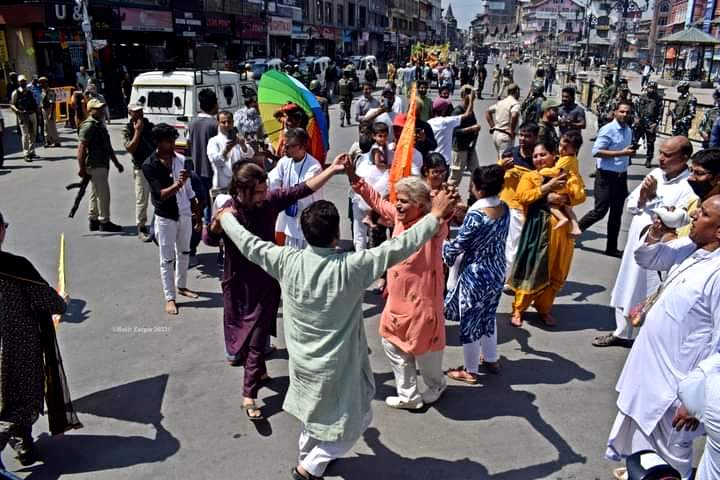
x,y
478,256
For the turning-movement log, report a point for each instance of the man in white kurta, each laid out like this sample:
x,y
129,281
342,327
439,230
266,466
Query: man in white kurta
x,y
682,328
295,167
666,186
700,394
331,383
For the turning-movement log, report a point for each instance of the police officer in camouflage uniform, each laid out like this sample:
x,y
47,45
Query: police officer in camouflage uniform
x,y
606,95
532,105
649,107
684,111
345,89
709,117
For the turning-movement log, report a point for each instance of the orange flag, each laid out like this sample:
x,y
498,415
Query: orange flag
x,y
404,149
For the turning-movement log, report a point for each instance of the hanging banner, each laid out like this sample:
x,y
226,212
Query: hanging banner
x,y
4,57
709,14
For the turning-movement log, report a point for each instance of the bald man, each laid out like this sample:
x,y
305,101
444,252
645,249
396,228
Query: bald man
x,y
666,186
679,333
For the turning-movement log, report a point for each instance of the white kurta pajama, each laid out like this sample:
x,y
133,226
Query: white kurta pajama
x,y
288,173
700,394
634,283
331,383
681,329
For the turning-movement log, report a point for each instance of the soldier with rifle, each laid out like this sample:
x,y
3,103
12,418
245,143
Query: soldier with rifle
x,y
346,96
684,111
709,117
607,94
649,108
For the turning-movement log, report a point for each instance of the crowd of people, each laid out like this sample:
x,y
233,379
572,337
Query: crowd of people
x,y
434,254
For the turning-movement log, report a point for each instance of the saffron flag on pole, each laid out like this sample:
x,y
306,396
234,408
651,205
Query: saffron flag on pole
x,y
404,148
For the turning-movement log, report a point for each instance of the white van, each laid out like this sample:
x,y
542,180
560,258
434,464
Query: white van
x,y
275,64
367,60
363,63
172,97
320,66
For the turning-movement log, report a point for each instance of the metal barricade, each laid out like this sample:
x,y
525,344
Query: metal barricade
x,y
62,102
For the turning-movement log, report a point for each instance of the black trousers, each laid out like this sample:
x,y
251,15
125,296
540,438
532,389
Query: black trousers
x,y
611,190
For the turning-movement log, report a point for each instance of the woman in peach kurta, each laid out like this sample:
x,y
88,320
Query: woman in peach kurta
x,y
544,254
412,324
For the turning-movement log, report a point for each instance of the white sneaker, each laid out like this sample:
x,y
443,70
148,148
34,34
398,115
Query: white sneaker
x,y
397,402
432,395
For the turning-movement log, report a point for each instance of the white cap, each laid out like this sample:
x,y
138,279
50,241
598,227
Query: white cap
x,y
22,78
672,219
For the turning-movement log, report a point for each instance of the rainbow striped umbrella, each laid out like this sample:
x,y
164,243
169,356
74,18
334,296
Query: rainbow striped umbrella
x,y
276,90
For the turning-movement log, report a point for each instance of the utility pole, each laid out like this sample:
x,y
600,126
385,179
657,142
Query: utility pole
x,y
624,6
87,30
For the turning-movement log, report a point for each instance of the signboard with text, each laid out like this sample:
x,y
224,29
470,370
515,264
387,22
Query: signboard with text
x,y
250,28
139,20
280,26
218,24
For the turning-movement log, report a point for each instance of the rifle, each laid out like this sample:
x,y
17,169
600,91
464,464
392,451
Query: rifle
x,y
81,186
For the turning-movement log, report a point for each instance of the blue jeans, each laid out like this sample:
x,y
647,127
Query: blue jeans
x,y
207,211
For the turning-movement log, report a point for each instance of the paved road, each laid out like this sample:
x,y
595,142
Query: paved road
x,y
158,400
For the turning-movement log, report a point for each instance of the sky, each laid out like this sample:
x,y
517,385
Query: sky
x,y
464,10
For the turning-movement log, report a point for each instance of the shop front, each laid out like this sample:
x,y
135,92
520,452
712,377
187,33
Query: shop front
x,y
250,36
280,30
219,31
18,22
188,27
323,41
300,37
133,41
60,45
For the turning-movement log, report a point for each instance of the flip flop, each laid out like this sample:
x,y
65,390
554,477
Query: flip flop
x,y
247,408
187,293
620,474
454,374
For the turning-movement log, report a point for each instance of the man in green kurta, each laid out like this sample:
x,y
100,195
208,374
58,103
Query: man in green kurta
x,y
331,384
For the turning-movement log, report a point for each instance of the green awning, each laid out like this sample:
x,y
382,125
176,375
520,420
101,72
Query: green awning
x,y
690,36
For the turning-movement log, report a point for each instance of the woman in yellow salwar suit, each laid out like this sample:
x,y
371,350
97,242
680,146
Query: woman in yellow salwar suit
x,y
544,253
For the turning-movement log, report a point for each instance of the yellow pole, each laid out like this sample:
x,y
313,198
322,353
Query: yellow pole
x,y
61,276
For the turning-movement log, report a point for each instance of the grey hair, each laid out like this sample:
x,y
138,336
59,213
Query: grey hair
x,y
417,190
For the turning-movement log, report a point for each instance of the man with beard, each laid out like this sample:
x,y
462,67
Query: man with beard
x,y
550,112
612,152
251,297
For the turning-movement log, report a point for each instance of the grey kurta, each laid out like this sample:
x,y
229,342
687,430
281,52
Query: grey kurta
x,y
331,384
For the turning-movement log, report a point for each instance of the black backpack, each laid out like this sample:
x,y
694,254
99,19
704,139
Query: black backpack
x,y
25,100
